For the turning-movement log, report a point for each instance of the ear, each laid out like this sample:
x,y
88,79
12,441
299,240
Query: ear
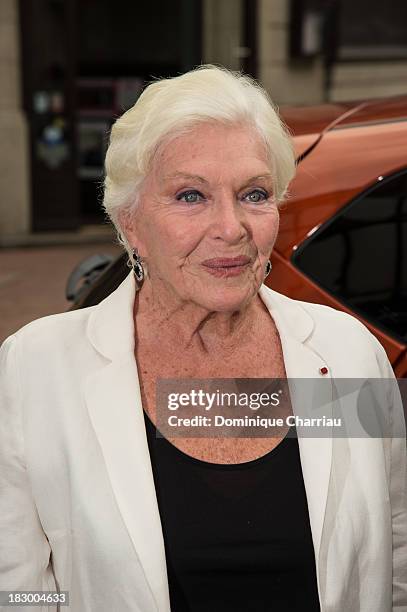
x,y
130,225
127,225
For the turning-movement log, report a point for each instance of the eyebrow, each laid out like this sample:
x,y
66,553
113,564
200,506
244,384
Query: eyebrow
x,y
203,180
169,177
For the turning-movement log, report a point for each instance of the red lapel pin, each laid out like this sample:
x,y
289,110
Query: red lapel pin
x,y
323,370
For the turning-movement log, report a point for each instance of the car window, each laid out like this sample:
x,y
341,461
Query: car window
x,y
360,255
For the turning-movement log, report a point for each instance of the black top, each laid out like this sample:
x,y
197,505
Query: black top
x,y
237,536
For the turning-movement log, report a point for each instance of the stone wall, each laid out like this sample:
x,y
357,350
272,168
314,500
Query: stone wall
x,y
221,32
291,82
286,82
368,80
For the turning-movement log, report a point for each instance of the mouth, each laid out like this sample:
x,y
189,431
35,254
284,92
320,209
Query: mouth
x,y
226,266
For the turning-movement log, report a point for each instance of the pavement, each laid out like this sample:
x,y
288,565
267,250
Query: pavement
x,y
33,280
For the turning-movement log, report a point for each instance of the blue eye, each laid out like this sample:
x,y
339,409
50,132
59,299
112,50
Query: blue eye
x,y
257,195
190,197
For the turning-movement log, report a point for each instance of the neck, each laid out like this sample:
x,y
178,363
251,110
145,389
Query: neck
x,y
188,325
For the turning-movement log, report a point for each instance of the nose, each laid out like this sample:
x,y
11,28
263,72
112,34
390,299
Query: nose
x,y
229,221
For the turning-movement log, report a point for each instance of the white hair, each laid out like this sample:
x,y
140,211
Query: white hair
x,y
170,107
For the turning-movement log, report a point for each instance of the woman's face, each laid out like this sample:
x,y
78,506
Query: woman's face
x,y
206,221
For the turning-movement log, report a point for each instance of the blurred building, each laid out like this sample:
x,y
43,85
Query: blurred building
x,y
69,68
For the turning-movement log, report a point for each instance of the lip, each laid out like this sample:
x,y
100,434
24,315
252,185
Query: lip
x,y
222,267
226,262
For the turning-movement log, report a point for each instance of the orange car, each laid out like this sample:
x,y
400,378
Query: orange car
x,y
343,232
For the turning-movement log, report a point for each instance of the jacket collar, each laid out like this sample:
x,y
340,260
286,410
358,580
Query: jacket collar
x,y
111,327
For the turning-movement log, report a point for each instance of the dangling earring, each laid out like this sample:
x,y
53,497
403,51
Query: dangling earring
x,y
269,265
137,266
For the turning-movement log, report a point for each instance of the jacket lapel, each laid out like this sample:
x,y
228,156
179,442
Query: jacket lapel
x,y
113,399
303,361
114,403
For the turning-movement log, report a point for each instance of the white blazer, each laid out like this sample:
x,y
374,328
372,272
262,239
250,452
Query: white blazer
x,y
78,508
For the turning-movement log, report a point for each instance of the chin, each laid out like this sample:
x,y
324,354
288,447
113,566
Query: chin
x,y
227,299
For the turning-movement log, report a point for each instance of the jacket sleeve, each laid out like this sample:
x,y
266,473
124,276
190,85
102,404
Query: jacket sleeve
x,y
397,480
24,548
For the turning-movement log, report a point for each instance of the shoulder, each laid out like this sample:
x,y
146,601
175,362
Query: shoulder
x,y
65,327
339,332
321,314
50,353
351,333
340,321
324,315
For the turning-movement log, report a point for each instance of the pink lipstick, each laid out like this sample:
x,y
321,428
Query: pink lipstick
x,y
226,266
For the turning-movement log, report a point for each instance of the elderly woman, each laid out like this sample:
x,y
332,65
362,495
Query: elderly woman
x,y
93,501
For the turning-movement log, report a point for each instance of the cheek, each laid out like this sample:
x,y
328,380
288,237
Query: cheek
x,y
265,230
175,236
